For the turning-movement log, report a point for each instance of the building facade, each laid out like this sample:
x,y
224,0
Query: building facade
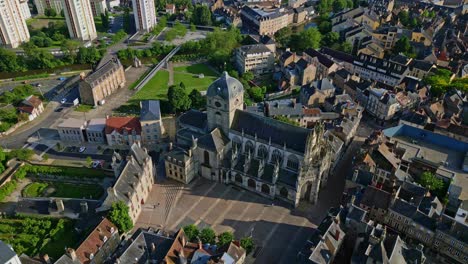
x,y
122,131
256,58
101,83
13,28
151,122
71,130
265,23
180,165
25,9
145,15
79,18
32,106
98,7
95,130
382,104
42,5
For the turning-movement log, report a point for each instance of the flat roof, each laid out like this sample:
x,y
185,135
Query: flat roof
x,y
72,123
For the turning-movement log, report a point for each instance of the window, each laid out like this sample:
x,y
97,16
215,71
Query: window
x,y
277,157
249,147
293,162
262,152
206,157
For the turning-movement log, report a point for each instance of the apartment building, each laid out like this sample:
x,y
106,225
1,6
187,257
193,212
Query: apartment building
x,y
180,165
382,104
13,28
80,21
151,122
25,9
123,131
71,130
264,22
145,15
256,58
95,87
98,7
42,5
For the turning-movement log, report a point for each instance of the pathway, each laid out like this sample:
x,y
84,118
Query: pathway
x,y
170,69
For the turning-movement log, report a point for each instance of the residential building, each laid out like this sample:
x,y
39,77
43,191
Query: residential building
x,y
79,18
252,151
101,83
315,93
376,202
98,246
382,104
180,165
451,239
420,68
145,15
25,9
170,9
134,181
256,58
324,66
71,130
42,5
325,242
32,106
122,131
151,122
296,3
13,28
264,22
95,130
7,254
98,7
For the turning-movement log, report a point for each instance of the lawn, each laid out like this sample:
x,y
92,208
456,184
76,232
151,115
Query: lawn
x,y
66,171
38,235
156,88
189,75
84,108
40,22
65,190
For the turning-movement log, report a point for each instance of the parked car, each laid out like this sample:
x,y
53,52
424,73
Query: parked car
x,y
61,78
58,109
64,100
82,149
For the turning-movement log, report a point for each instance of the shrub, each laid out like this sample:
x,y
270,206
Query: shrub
x,y
247,243
207,235
120,217
192,232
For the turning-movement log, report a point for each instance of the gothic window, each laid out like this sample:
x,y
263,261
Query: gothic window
x,y
284,192
249,147
276,157
262,152
237,143
206,158
251,183
238,178
293,162
265,188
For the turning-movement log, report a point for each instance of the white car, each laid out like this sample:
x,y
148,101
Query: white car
x,y
82,149
64,100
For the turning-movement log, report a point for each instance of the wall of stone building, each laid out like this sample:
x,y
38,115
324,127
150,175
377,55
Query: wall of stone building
x,y
71,135
86,94
450,246
223,116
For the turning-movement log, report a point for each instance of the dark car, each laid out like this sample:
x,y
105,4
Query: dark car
x,y
58,110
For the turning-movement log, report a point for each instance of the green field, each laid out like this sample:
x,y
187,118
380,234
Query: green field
x,y
189,76
38,235
156,88
84,108
64,190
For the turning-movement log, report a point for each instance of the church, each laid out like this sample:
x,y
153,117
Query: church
x,y
260,154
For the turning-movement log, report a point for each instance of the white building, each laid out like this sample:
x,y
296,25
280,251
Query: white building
x,y
13,28
8,255
98,7
80,21
145,15
42,5
25,9
382,104
256,58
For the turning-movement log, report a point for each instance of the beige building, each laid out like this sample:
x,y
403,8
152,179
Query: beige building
x,y
145,15
71,130
134,181
79,18
382,104
180,165
122,131
32,106
152,128
13,28
98,7
42,5
266,22
103,82
256,58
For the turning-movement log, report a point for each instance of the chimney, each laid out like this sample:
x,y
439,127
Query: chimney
x,y
190,152
60,206
46,259
170,146
153,247
84,207
71,253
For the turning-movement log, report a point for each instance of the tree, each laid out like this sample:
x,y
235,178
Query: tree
x,y
207,236
330,38
201,15
9,61
120,217
21,154
178,98
105,20
49,12
225,238
309,38
89,161
404,18
430,181
198,101
325,27
283,36
247,243
346,47
439,82
339,5
69,48
193,27
192,232
45,157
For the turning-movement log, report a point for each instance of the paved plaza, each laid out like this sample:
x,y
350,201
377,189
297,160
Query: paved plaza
x,y
279,231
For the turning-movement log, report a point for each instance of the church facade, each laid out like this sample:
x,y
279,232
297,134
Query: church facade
x,y
260,154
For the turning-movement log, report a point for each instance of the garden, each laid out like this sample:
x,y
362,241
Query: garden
x,y
38,235
190,76
64,190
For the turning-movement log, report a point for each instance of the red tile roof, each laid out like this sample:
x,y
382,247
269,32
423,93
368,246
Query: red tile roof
x,y
26,109
34,101
121,124
95,240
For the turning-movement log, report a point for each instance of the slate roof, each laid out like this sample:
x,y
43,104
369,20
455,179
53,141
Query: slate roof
x,y
321,58
265,128
150,110
338,55
121,124
139,250
415,118
421,65
109,66
195,119
453,228
6,252
179,154
226,87
255,48
403,208
374,197
45,206
411,192
214,141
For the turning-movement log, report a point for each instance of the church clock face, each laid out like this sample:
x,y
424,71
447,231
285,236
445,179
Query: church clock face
x,y
218,104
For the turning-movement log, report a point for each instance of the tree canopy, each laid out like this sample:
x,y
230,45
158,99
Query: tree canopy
x,y
247,243
201,15
120,217
178,98
225,238
207,235
191,231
